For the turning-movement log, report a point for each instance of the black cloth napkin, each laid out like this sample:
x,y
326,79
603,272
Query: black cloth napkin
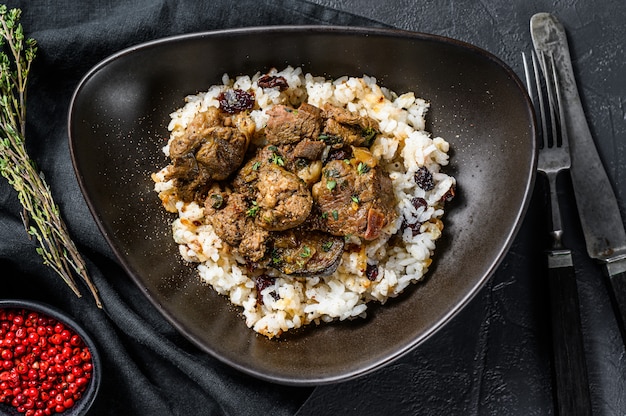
x,y
148,368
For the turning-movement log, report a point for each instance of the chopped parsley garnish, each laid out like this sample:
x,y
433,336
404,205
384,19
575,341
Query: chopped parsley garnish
x,y
369,134
335,214
355,199
278,159
306,252
256,165
331,184
362,168
330,139
252,211
327,245
276,257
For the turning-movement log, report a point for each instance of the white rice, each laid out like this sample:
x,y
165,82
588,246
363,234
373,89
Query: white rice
x,y
403,147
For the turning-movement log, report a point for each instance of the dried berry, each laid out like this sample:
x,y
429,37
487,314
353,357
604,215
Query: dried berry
x,y
449,195
414,227
262,282
424,179
235,101
418,202
271,81
343,153
371,271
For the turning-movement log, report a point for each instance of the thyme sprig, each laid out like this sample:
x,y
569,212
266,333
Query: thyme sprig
x,y
55,245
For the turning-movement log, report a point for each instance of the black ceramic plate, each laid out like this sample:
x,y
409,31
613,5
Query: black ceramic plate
x,y
117,126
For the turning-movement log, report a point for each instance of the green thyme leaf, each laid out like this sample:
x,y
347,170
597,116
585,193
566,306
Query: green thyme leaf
x,y
253,210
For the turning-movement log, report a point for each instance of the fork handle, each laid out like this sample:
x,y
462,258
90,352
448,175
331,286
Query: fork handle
x,y
572,384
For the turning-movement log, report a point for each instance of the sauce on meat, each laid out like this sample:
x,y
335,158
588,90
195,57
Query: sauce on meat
x,y
292,203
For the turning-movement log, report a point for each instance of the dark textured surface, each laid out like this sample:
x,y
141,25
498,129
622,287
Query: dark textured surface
x,y
494,358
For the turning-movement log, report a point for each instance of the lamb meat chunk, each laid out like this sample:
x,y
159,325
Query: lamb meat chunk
x,y
355,198
228,218
212,148
348,128
287,125
284,200
308,149
230,215
191,140
222,151
305,253
253,246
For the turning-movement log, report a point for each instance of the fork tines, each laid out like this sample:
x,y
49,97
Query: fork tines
x,y
554,117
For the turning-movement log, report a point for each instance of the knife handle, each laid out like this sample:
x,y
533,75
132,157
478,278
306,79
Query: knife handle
x,y
572,384
617,283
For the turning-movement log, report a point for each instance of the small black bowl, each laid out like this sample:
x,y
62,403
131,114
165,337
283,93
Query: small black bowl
x,y
81,406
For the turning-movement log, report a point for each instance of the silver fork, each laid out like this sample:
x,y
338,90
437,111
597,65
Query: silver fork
x,y
570,369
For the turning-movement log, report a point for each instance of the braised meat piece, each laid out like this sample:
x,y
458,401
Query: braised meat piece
x,y
283,199
308,149
232,216
287,125
355,198
343,127
212,148
306,253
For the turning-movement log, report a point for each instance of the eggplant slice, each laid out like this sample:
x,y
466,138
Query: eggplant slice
x,y
306,253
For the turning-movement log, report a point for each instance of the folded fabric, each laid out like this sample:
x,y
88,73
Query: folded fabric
x,y
148,368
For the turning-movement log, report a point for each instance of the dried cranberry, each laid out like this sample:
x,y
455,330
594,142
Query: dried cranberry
x,y
415,227
263,281
371,271
343,153
449,195
235,101
271,81
424,179
418,202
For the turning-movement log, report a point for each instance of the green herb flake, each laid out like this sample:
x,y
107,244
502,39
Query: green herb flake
x,y
253,210
335,214
369,134
256,165
362,168
327,245
331,184
275,257
329,139
355,199
306,252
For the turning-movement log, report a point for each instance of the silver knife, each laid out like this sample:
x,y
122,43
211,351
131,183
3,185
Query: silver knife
x,y
597,206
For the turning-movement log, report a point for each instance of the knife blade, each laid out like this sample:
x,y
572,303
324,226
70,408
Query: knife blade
x,y
598,210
